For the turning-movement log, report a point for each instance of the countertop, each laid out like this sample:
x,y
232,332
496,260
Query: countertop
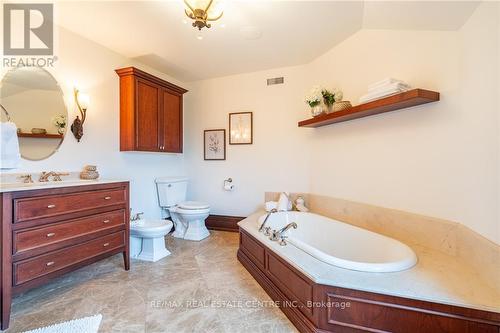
x,y
15,187
436,277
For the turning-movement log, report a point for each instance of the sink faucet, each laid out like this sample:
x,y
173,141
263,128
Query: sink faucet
x,y
44,176
274,210
26,178
279,233
136,217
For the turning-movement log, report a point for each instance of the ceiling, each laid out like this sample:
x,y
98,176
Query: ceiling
x,y
258,35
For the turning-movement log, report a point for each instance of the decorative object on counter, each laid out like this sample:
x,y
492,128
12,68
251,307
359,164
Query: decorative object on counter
x,y
214,142
82,102
60,122
300,204
36,130
89,172
284,202
330,98
228,184
241,128
384,88
313,99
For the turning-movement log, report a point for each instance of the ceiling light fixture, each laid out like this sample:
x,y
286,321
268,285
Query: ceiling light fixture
x,y
201,14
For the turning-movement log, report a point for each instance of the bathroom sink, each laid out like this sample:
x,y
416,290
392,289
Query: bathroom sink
x,y
24,186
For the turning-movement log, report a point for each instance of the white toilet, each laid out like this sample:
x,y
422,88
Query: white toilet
x,y
147,239
188,216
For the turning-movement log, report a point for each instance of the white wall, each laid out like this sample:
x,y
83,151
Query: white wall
x,y
439,160
279,156
91,67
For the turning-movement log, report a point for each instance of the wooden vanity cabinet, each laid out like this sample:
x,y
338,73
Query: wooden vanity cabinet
x,y
150,113
48,232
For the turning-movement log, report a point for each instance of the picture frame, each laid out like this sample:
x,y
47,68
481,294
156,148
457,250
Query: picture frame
x,y
214,145
241,128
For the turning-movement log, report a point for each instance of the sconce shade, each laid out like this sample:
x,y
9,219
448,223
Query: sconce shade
x,y
84,100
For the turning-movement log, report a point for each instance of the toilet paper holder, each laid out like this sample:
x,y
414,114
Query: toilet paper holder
x,y
228,184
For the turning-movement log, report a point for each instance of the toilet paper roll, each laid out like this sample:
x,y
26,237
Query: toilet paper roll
x,y
228,187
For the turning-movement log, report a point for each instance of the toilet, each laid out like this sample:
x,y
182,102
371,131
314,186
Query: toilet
x,y
147,239
188,216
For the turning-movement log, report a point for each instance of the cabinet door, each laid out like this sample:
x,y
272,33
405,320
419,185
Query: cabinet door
x,y
171,129
147,116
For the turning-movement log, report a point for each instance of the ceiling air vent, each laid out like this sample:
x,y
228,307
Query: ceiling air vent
x,y
275,80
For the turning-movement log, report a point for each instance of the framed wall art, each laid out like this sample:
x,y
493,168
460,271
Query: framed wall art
x,y
241,128
214,142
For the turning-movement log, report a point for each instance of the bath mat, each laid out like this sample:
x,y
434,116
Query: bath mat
x,y
82,325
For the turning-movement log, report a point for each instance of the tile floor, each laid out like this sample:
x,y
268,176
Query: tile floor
x,y
200,287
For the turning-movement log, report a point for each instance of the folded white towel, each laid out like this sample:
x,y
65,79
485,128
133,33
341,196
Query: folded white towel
x,y
384,82
388,90
9,146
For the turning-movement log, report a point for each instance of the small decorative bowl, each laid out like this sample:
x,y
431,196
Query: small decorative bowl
x,y
343,105
38,130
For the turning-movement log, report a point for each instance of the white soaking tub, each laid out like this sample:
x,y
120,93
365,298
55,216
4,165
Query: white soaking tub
x,y
341,244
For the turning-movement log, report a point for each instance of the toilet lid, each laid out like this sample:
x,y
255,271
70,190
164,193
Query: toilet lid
x,y
193,205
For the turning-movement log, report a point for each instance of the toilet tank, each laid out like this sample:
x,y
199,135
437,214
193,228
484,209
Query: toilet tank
x,y
171,190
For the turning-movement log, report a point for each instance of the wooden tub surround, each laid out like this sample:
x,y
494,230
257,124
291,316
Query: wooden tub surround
x,y
48,232
314,307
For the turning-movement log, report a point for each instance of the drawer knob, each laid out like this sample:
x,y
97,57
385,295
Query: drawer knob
x,y
51,206
105,244
50,263
107,198
51,234
105,221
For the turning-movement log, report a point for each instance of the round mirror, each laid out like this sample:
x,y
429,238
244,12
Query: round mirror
x,y
34,102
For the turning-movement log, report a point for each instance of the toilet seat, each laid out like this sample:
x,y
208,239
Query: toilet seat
x,y
193,205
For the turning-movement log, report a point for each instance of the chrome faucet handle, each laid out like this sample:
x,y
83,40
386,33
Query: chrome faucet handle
x,y
274,235
267,231
282,242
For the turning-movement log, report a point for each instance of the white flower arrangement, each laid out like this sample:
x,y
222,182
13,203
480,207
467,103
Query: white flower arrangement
x,y
59,121
314,97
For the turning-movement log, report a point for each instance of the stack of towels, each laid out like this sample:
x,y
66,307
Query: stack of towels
x,y
384,88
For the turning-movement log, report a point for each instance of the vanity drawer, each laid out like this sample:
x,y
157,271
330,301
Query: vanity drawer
x,y
35,238
31,269
26,209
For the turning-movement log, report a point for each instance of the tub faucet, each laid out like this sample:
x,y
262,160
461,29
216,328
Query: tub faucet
x,y
136,217
279,233
274,210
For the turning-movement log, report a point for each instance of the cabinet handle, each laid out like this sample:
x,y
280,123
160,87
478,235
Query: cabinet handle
x,y
51,206
50,263
105,221
107,198
51,234
105,244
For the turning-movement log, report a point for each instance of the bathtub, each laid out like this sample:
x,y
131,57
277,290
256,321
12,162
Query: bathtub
x,y
341,244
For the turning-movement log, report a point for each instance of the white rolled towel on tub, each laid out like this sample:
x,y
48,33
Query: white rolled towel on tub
x,y
270,205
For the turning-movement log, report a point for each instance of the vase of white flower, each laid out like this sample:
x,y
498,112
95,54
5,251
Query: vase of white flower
x,y
60,122
313,99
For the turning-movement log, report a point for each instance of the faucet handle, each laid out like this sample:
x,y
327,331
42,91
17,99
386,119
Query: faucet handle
x,y
283,241
274,235
267,231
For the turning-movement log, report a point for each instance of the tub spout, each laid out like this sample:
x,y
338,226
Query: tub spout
x,y
279,233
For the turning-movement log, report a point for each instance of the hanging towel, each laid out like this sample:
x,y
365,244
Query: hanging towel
x,y
9,146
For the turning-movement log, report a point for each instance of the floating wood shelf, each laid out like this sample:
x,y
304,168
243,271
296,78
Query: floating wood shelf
x,y
391,103
40,136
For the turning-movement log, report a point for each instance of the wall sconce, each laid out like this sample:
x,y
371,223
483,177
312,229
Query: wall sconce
x,y
82,101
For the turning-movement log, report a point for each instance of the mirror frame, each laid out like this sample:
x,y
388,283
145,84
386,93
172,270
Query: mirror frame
x,y
56,149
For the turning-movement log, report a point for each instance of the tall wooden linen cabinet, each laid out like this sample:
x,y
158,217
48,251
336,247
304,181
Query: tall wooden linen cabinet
x,y
150,113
